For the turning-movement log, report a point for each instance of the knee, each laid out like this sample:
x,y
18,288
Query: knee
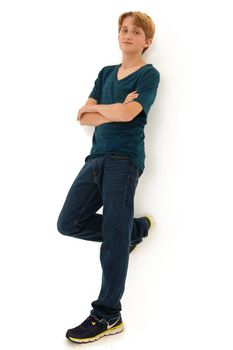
x,y
69,228
62,227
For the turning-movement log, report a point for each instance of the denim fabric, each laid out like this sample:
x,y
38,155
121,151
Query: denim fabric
x,y
109,181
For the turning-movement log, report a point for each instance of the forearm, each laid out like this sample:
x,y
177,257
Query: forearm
x,y
93,119
118,112
113,112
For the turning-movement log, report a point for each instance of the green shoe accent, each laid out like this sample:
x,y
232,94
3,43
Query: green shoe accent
x,y
151,220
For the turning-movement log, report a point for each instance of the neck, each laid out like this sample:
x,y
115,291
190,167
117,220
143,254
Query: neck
x,y
130,61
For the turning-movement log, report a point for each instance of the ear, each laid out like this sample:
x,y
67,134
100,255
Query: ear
x,y
148,42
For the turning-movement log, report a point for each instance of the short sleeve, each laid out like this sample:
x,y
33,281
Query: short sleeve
x,y
95,93
147,89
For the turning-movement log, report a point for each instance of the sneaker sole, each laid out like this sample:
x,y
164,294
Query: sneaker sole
x,y
112,331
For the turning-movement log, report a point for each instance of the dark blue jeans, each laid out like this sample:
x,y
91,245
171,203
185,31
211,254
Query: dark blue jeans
x,y
109,181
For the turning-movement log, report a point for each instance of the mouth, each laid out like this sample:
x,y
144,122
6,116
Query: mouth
x,y
126,42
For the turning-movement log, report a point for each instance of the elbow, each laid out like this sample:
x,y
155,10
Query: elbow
x,y
128,117
130,111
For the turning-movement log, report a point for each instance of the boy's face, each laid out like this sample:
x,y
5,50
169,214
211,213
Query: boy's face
x,y
131,38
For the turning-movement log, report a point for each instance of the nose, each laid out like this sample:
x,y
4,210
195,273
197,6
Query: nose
x,y
128,36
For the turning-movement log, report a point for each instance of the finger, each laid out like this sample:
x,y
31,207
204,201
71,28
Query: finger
x,y
129,100
133,94
132,97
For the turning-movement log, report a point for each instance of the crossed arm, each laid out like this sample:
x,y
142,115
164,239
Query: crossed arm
x,y
93,114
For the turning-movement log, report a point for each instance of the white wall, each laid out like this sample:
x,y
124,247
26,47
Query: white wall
x,y
179,287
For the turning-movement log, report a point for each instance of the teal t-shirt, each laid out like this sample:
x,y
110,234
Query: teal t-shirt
x,y
124,137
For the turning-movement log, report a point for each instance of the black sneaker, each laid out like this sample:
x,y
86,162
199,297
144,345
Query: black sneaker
x,y
150,221
132,247
91,330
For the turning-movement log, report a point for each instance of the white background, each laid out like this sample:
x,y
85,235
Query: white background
x,y
179,286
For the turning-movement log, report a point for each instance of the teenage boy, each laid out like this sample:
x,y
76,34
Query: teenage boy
x,y
118,107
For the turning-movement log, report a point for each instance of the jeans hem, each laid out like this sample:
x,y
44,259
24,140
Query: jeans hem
x,y
103,320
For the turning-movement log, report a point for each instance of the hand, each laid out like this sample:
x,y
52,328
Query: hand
x,y
130,97
81,112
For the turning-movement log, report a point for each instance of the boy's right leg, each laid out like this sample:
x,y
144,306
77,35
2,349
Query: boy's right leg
x,y
78,216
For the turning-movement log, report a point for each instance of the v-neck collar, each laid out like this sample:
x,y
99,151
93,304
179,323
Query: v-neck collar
x,y
119,65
